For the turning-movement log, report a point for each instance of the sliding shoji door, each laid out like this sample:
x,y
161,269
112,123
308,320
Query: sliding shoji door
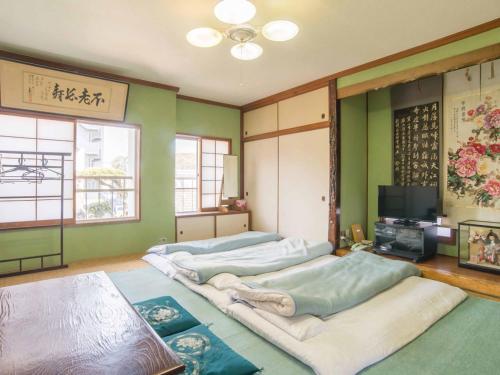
x,y
304,184
261,183
32,134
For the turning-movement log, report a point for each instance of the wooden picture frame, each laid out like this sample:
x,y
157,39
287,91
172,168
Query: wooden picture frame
x,y
33,88
357,233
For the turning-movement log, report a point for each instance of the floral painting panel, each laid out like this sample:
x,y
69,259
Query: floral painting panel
x,y
473,155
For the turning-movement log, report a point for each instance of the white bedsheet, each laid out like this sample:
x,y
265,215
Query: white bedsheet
x,y
350,340
301,327
367,333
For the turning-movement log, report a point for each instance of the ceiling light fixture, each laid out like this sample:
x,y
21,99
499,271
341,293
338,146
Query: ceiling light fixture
x,y
280,31
204,37
236,12
246,51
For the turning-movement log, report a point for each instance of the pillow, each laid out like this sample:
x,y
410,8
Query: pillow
x,y
165,315
204,353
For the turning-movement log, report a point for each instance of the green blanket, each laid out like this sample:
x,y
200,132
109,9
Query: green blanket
x,y
336,286
250,261
218,244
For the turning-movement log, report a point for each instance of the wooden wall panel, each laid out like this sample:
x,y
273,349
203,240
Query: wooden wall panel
x,y
305,109
334,170
260,121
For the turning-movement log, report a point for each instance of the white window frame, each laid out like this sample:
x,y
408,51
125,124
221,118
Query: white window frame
x,y
199,139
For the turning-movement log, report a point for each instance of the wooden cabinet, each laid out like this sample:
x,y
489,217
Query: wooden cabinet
x,y
286,174
204,225
260,120
227,225
261,183
304,109
195,228
304,184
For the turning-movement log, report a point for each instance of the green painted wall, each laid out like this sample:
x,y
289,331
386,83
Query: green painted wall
x,y
379,150
155,110
379,144
206,119
353,162
456,48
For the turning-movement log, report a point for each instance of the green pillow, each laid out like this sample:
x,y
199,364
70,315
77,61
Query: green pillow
x,y
204,353
165,315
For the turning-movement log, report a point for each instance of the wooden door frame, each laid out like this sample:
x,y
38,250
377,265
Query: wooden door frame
x,y
334,211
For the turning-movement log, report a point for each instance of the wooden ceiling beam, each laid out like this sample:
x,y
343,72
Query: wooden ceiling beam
x,y
438,67
322,82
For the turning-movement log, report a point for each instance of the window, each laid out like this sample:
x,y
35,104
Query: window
x,y
198,172
101,173
212,167
28,202
106,172
186,174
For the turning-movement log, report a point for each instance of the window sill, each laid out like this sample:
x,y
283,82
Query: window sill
x,y
105,221
35,224
210,213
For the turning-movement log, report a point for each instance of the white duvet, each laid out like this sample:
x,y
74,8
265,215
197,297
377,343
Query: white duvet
x,y
343,343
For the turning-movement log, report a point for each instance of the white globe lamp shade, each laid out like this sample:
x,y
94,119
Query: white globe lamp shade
x,y
280,31
234,11
246,51
204,37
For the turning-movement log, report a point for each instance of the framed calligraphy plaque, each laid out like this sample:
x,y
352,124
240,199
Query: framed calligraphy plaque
x,y
416,145
38,89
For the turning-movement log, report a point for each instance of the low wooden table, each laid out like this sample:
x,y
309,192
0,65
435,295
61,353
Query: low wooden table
x,y
77,325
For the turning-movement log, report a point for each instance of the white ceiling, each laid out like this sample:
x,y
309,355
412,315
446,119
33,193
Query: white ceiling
x,y
146,38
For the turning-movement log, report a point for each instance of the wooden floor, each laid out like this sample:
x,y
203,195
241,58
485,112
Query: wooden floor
x,y
112,264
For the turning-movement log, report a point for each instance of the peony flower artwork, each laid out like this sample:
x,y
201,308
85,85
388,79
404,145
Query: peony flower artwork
x,y
474,166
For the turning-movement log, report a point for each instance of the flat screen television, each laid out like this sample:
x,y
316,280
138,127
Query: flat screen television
x,y
408,202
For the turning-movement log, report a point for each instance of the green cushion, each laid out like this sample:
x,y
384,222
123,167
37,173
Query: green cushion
x,y
204,353
165,315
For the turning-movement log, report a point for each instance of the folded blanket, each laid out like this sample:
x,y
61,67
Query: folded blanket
x,y
249,262
301,327
214,245
325,290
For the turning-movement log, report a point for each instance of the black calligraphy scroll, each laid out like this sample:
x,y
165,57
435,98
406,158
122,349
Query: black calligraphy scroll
x,y
416,145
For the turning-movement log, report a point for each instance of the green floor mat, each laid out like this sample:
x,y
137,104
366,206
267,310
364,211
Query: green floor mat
x,y
465,342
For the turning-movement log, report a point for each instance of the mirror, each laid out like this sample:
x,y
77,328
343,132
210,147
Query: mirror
x,y
230,187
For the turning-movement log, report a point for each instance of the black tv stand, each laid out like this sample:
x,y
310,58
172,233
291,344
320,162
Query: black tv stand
x,y
407,222
417,241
